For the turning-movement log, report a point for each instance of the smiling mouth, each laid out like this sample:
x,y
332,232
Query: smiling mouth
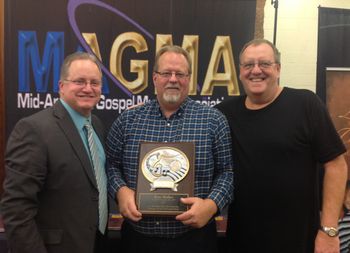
x,y
257,79
86,97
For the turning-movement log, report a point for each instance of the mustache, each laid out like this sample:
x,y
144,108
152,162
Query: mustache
x,y
172,85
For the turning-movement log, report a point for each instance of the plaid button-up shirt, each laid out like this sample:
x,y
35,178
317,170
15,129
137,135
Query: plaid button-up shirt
x,y
193,122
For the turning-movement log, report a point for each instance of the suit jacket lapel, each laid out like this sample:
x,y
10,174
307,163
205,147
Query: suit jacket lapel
x,y
66,124
99,129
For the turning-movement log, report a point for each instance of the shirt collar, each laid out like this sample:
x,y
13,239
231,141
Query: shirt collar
x,y
179,111
78,119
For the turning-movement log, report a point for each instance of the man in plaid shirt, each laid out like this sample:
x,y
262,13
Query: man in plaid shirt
x,y
172,117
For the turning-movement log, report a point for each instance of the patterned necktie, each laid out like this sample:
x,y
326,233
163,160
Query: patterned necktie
x,y
101,179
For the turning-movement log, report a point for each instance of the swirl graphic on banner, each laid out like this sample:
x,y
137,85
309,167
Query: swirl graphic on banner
x,y
71,8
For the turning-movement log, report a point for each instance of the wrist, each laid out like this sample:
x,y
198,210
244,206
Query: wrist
x,y
330,231
211,205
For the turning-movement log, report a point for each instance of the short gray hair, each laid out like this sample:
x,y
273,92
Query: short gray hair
x,y
256,42
77,56
174,49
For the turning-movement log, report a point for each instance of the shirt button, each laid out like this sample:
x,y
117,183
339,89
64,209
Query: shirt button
x,y
157,223
165,141
168,124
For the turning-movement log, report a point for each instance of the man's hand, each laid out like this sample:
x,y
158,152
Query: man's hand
x,y
326,244
127,205
200,212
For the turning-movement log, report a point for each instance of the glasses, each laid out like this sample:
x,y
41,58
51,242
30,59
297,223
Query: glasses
x,y
169,74
84,82
261,65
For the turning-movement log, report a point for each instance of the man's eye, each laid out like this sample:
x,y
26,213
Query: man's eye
x,y
95,82
80,82
179,75
166,74
264,64
248,65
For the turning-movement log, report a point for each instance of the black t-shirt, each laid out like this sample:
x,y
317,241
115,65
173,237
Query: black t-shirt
x,y
276,150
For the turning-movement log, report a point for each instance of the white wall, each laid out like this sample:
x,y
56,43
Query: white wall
x,y
297,38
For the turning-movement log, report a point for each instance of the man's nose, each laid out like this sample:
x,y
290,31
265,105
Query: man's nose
x,y
173,77
256,68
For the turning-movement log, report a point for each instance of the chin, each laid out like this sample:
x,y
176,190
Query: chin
x,y
172,99
87,106
257,88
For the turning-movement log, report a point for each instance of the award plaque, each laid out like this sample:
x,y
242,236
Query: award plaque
x,y
166,174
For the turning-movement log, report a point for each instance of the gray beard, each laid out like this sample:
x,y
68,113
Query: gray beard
x,y
171,99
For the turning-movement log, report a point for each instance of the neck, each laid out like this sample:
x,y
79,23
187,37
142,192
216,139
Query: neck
x,y
168,109
258,102
85,113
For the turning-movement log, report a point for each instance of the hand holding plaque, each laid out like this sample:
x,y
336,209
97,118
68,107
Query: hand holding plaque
x,y
166,174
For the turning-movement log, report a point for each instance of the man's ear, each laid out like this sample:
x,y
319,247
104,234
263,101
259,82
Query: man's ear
x,y
154,77
60,87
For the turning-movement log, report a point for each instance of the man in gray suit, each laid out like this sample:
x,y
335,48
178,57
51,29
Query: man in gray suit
x,y
51,195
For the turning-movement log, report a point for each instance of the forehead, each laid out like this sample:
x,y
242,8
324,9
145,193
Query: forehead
x,y
85,66
261,51
172,59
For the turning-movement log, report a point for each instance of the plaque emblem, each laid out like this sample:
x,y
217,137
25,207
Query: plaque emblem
x,y
165,175
164,167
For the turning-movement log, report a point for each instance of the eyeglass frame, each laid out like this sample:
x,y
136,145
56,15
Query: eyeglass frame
x,y
261,65
84,82
168,74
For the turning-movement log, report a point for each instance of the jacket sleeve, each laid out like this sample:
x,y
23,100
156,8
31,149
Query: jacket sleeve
x,y
25,168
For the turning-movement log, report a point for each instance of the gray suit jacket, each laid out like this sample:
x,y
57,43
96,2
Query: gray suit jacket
x,y
50,200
